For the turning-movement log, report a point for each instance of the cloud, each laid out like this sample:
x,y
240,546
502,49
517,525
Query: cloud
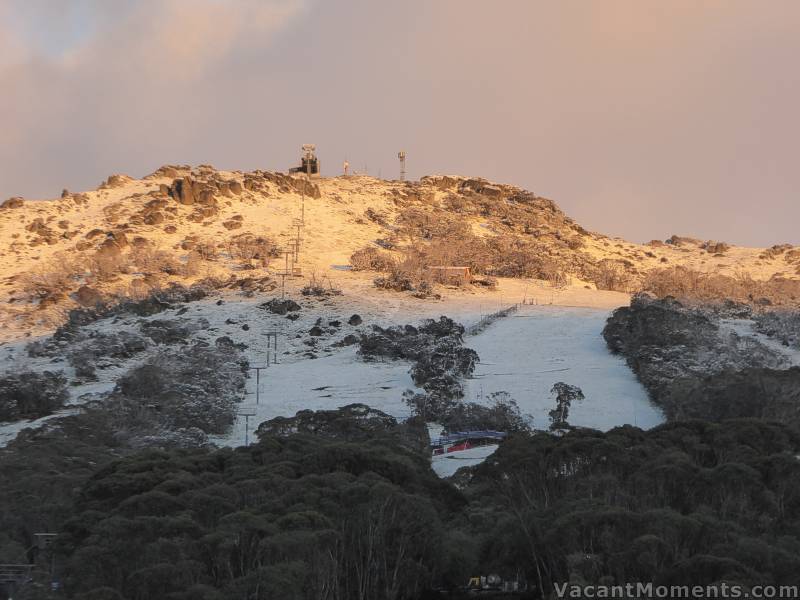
x,y
12,51
147,73
182,39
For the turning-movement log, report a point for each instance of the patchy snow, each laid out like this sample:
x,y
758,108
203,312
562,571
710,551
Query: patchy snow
x,y
524,354
445,465
527,352
746,328
9,431
322,384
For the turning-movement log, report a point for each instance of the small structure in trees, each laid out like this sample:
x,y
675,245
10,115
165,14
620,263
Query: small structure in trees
x,y
451,275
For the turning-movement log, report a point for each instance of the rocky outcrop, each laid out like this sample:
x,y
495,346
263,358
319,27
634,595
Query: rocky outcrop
x,y
38,227
15,202
88,297
201,193
281,307
285,183
182,191
43,233
112,246
170,171
115,181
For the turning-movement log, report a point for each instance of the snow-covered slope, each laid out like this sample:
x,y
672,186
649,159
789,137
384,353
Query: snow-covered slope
x,y
527,352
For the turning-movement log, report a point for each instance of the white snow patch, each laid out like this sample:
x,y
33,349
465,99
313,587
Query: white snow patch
x,y
445,465
527,352
746,328
324,383
9,431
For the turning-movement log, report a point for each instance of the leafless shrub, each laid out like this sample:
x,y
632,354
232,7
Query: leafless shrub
x,y
465,250
418,224
320,286
559,279
57,276
613,275
371,259
195,265
486,281
150,260
518,258
683,282
400,278
248,247
376,216
206,249
455,203
575,243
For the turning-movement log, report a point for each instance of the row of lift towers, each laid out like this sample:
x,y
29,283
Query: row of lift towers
x,y
309,167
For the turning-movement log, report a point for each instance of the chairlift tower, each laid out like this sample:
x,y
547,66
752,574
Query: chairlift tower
x,y
247,412
402,156
295,242
258,379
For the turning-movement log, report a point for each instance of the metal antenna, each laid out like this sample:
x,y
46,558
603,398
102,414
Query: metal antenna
x,y
402,156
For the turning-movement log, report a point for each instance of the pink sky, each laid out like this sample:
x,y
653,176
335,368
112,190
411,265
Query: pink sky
x,y
640,118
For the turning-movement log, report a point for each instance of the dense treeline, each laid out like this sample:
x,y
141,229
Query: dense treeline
x,y
685,503
696,368
297,517
343,504
314,516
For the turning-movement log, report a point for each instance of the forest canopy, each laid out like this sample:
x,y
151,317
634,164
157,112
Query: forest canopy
x,y
320,516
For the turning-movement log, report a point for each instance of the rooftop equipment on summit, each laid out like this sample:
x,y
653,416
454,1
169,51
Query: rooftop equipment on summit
x,y
309,163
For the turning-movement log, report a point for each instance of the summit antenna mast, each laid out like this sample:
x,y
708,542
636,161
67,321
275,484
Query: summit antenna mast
x,y
402,156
